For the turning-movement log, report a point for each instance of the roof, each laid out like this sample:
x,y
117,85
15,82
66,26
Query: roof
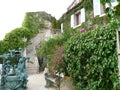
x,y
74,3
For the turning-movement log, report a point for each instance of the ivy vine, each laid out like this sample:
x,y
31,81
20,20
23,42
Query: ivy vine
x,y
91,59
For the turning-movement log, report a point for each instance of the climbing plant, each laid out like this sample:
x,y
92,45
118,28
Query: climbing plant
x,y
91,59
33,23
86,4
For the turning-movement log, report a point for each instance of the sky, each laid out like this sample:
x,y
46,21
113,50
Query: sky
x,y
12,12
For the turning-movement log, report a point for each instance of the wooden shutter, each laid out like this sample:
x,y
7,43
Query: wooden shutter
x,y
72,20
82,15
61,27
96,6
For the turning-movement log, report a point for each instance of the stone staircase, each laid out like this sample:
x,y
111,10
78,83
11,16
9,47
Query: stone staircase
x,y
33,68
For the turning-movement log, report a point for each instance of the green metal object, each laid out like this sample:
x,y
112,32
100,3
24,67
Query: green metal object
x,y
14,76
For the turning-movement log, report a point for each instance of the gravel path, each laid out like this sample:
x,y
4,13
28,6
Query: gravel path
x,y
37,82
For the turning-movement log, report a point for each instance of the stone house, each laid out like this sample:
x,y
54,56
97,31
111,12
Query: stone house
x,y
81,11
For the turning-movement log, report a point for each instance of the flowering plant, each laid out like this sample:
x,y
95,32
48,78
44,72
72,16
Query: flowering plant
x,y
82,30
89,27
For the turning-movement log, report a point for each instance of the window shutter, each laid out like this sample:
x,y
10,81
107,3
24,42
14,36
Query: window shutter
x,y
61,27
82,15
96,6
72,20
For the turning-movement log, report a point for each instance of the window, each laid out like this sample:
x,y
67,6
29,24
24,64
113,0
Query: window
x,y
99,9
78,18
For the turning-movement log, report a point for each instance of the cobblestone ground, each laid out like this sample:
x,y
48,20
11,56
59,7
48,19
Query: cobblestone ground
x,y
37,82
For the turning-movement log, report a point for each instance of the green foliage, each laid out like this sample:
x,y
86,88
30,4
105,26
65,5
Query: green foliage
x,y
116,10
91,59
94,23
56,63
55,24
50,47
33,23
88,4
47,49
66,18
108,1
14,38
112,11
3,49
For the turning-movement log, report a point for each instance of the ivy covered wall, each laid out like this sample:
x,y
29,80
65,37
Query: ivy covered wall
x,y
89,16
36,21
87,4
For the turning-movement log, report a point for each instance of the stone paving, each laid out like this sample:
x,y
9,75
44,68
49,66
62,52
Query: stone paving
x,y
37,82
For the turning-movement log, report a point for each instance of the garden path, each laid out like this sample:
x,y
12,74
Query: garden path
x,y
37,82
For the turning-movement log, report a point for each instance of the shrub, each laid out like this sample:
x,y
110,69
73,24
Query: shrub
x,y
91,59
54,47
56,62
48,48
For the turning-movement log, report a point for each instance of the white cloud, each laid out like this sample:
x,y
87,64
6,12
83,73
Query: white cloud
x,y
12,12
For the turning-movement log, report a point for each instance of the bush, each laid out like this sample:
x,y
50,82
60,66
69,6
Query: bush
x,y
48,48
56,62
14,40
52,49
91,59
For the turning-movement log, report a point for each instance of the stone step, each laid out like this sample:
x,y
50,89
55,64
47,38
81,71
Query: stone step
x,y
32,68
33,71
